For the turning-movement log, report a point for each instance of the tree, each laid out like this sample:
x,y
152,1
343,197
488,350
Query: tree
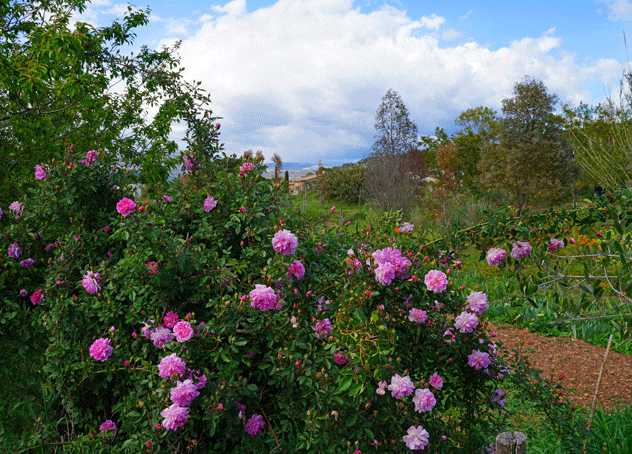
x,y
57,89
343,184
532,161
388,179
278,165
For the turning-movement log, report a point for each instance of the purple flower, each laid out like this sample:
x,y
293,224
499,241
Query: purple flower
x,y
1,213
246,167
126,206
14,251
385,273
555,244
340,359
184,393
417,316
498,397
91,157
171,366
37,297
406,227
417,438
381,390
183,331
23,293
466,322
520,249
209,203
477,303
108,425
263,298
28,263
167,198
495,255
101,349
322,328
170,319
161,336
17,209
50,247
297,269
255,425
478,360
436,281
40,173
284,242
175,417
90,282
401,386
436,381
189,162
424,400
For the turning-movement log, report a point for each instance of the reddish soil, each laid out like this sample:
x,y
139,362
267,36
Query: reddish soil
x,y
579,363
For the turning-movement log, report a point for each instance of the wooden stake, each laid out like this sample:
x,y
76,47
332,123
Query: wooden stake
x,y
594,403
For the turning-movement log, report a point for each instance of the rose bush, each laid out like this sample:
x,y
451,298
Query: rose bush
x,y
192,327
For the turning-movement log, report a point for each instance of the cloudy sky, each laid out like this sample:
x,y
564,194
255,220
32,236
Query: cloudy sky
x,y
304,78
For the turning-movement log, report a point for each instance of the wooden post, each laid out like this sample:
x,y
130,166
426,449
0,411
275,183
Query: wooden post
x,y
506,443
521,443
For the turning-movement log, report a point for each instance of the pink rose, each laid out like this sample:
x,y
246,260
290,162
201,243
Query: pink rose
x,y
183,331
125,206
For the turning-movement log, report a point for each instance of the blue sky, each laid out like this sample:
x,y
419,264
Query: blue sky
x,y
303,78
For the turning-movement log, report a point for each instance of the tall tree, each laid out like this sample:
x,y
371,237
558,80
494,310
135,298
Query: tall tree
x,y
389,180
533,161
57,88
278,165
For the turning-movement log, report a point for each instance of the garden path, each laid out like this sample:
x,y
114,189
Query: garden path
x,y
578,361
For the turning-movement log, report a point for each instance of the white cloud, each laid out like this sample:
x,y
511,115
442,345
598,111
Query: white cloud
x,y
450,34
468,14
619,9
304,78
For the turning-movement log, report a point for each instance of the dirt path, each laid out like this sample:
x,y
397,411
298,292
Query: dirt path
x,y
579,362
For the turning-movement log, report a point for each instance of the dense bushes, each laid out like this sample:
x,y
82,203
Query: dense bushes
x,y
335,358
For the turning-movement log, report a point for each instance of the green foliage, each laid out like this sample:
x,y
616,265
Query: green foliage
x,y
532,161
57,80
343,184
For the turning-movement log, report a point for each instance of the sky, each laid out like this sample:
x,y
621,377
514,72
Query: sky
x,y
304,78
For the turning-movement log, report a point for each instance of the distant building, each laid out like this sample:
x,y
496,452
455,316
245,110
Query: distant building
x,y
303,183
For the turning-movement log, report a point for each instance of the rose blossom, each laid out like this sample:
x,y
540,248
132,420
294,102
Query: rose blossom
x,y
189,162
297,269
322,328
183,331
284,242
417,316
436,381
255,425
170,319
498,397
340,359
161,335
381,390
209,203
108,425
37,297
436,281
101,349
263,298
14,251
417,438
385,273
91,157
478,360
28,263
40,173
175,417
495,255
555,244
520,249
126,206
424,400
401,386
466,322
90,282
477,303
171,365
184,393
17,209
